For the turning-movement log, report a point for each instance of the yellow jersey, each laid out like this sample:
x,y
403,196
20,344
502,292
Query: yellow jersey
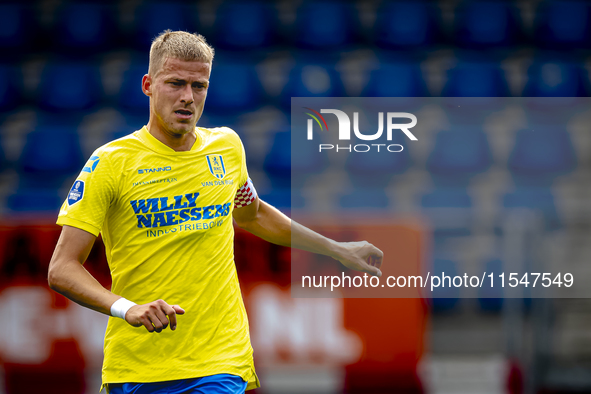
x,y
166,221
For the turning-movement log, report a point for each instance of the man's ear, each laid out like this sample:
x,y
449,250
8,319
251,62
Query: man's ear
x,y
147,85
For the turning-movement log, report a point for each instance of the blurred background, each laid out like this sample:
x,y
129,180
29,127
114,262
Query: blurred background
x,y
70,74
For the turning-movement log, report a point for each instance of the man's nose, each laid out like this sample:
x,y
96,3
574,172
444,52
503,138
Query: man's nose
x,y
187,94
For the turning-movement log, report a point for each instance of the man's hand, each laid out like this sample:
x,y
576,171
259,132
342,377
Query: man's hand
x,y
154,316
361,256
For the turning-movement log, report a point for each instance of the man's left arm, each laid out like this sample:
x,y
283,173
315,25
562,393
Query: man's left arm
x,y
268,223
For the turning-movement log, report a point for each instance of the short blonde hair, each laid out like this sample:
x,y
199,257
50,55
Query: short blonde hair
x,y
179,45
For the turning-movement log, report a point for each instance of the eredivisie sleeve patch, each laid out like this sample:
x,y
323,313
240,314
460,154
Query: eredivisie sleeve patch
x,y
245,195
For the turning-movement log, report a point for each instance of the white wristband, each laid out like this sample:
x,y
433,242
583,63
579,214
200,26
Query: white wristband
x,y
120,307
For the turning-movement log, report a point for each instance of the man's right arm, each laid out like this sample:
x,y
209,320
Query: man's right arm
x,y
68,277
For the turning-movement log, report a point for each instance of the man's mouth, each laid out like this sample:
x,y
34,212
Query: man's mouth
x,y
183,113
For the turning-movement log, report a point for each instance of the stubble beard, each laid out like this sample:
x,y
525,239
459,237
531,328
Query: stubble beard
x,y
188,127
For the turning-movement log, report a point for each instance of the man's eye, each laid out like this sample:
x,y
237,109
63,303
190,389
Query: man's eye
x,y
176,83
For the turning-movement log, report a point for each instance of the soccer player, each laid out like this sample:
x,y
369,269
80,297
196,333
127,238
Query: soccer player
x,y
164,198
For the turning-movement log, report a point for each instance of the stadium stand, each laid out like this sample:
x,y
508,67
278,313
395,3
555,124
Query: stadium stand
x,y
491,298
10,87
481,24
406,24
49,156
131,98
152,18
541,154
235,87
85,28
17,29
245,25
459,155
53,57
68,86
444,299
400,79
314,30
555,79
563,25
476,79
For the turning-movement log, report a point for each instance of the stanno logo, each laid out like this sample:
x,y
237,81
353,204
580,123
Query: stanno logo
x,y
344,132
91,164
150,170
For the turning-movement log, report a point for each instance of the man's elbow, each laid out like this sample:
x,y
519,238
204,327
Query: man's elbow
x,y
243,224
54,277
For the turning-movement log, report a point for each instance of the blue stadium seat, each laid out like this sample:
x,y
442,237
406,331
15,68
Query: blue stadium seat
x,y
289,162
486,24
284,199
444,299
283,171
49,156
406,24
69,87
233,87
131,97
120,133
449,211
245,25
362,199
131,123
458,155
325,24
375,169
540,154
3,161
212,119
312,80
277,163
35,200
85,27
10,87
401,79
17,28
563,24
537,200
476,79
490,298
153,18
446,198
554,79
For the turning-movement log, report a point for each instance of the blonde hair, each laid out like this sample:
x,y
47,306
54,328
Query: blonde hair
x,y
179,45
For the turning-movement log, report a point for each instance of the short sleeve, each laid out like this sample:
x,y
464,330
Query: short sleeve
x,y
243,169
90,196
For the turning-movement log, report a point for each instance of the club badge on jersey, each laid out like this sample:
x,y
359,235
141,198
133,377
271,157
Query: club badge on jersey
x,y
216,166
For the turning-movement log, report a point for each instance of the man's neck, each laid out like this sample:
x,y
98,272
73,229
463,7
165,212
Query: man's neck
x,y
177,142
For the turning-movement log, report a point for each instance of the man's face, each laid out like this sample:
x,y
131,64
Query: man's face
x,y
178,93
